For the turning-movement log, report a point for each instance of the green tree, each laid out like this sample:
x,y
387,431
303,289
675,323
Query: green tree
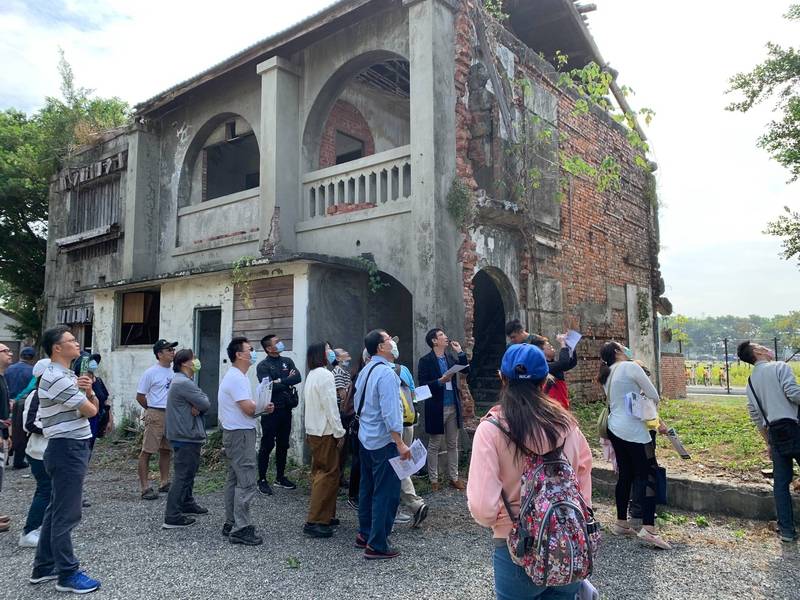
x,y
787,226
32,149
776,78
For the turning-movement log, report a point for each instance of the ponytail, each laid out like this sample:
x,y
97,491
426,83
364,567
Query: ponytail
x,y
608,356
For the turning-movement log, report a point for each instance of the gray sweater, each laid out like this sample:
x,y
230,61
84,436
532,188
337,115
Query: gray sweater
x,y
777,390
182,426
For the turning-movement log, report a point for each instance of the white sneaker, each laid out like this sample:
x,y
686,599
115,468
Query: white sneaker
x,y
30,539
402,518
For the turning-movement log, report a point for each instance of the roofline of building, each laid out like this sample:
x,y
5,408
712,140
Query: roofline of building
x,y
354,264
260,49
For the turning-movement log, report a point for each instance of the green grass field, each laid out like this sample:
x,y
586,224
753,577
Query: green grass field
x,y
738,372
716,431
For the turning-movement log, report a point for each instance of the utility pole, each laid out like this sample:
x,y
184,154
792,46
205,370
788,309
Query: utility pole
x,y
727,368
775,344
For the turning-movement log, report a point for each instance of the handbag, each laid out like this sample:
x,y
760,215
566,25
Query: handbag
x,y
352,429
783,434
661,485
602,420
293,399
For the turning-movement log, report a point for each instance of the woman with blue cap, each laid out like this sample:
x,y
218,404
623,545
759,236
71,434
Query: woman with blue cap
x,y
516,434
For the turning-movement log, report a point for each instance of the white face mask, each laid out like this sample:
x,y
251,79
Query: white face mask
x,y
395,351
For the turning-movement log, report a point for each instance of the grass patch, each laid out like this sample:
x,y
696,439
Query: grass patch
x,y
716,431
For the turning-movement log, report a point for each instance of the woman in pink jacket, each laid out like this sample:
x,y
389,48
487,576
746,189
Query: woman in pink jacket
x,y
536,423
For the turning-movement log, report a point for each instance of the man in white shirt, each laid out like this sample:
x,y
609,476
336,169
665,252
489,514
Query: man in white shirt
x,y
237,410
151,394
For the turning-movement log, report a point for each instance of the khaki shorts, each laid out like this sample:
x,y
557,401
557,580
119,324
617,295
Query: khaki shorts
x,y
155,438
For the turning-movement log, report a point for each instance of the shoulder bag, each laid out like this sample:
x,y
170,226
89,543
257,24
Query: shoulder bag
x,y
602,420
783,434
352,429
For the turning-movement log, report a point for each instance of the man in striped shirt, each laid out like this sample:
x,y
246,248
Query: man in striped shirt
x,y
66,402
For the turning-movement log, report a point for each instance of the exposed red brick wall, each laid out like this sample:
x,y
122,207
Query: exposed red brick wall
x,y
605,237
673,375
346,118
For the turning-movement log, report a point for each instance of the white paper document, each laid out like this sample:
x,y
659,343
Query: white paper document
x,y
454,369
572,338
406,468
263,396
421,393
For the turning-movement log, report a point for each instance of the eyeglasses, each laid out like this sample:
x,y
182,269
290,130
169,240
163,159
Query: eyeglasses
x,y
7,350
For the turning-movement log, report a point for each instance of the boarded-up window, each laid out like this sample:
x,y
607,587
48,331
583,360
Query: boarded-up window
x,y
264,306
94,204
140,318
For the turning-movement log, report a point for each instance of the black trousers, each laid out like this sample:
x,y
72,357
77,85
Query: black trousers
x,y
185,463
637,477
275,431
355,467
20,438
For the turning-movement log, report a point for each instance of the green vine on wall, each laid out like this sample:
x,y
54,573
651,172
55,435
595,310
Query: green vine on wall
x,y
495,9
375,282
460,204
643,308
241,281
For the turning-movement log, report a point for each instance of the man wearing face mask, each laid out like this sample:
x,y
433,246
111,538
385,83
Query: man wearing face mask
x,y
186,431
237,411
276,428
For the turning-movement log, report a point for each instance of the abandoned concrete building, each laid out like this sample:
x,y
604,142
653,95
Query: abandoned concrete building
x,y
353,171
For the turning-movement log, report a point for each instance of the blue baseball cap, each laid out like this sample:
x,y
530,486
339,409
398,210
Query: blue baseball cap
x,y
27,352
524,361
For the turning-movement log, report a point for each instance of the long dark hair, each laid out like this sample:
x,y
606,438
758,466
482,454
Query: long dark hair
x,y
608,356
316,356
532,416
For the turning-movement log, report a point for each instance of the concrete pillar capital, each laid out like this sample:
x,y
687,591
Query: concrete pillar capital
x,y
279,63
450,4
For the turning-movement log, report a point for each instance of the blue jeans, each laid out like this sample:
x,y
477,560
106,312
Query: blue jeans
x,y
511,582
781,479
379,496
66,462
41,497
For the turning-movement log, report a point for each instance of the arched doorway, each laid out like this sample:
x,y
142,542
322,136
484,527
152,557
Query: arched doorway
x,y
492,309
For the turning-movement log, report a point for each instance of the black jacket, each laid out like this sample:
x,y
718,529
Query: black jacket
x,y
563,363
279,367
428,373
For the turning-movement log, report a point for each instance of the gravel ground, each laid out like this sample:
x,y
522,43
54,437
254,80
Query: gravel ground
x,y
120,542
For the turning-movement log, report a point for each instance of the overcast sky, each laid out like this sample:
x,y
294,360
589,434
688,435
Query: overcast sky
x,y
717,189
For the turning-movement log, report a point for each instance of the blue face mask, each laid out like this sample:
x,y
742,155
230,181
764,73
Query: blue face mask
x,y
345,364
628,352
280,346
93,366
331,357
253,357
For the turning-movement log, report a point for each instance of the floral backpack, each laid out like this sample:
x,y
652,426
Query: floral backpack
x,y
554,537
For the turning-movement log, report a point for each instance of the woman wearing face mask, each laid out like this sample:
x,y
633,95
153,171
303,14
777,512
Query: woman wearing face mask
x,y
634,448
186,432
325,436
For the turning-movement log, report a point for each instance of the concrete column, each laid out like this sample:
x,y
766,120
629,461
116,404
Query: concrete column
x,y
141,204
437,285
280,151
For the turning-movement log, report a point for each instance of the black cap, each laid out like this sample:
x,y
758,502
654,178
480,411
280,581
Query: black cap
x,y
163,345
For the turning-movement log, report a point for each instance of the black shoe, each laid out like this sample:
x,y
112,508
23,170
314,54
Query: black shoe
x,y
419,516
317,530
39,575
264,488
226,529
182,521
246,536
334,522
20,466
85,503
352,503
194,509
285,484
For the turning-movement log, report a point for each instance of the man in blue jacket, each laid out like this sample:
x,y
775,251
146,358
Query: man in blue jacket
x,y
443,408
18,376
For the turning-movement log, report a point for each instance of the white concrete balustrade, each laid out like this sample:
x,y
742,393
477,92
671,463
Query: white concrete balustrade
x,y
367,182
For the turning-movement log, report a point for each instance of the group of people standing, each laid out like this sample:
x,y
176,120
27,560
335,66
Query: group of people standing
x,y
528,448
